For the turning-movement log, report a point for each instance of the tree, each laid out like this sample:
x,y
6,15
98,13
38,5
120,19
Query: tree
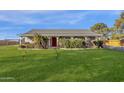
x,y
119,23
38,40
100,28
122,15
112,29
45,41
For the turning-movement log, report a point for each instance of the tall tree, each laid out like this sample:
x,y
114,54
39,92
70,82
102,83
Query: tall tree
x,y
122,15
100,28
119,23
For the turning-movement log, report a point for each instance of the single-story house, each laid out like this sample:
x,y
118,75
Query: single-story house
x,y
54,35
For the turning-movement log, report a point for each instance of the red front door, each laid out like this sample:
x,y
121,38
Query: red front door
x,y
54,42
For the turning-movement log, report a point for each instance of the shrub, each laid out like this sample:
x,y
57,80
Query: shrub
x,y
67,43
72,43
27,46
30,46
83,44
78,43
62,43
22,46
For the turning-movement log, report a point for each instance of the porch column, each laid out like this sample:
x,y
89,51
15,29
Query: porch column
x,y
85,38
72,37
20,40
49,42
57,41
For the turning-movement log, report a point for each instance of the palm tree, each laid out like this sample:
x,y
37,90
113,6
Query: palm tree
x,y
37,40
40,41
100,28
45,41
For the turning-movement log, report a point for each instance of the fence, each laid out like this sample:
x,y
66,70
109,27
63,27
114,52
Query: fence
x,y
8,42
114,43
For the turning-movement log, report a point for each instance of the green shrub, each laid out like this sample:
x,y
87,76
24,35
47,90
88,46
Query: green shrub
x,y
30,46
22,46
27,46
72,43
67,43
62,43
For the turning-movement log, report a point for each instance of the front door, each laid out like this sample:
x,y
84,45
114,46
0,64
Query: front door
x,y
54,42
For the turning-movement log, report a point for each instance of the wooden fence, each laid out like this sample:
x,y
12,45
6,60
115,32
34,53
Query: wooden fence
x,y
115,43
8,42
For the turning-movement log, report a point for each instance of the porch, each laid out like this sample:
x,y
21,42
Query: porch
x,y
56,41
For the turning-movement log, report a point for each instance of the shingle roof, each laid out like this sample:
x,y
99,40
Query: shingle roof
x,y
61,32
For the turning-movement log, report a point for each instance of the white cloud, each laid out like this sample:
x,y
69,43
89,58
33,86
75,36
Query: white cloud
x,y
28,12
17,20
65,18
25,17
4,18
52,17
10,28
76,17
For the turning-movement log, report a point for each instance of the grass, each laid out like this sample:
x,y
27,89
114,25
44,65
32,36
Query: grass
x,y
70,65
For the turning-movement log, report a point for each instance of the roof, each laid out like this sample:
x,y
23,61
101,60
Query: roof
x,y
61,32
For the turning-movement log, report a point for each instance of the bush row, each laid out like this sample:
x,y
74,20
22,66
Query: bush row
x,y
72,43
27,46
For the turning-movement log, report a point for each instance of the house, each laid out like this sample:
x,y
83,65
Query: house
x,y
54,35
113,34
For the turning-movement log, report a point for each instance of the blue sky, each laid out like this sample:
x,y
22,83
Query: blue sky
x,y
17,22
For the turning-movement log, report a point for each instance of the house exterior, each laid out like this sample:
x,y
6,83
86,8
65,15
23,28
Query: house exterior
x,y
110,34
54,35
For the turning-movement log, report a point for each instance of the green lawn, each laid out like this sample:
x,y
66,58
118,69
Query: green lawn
x,y
71,65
